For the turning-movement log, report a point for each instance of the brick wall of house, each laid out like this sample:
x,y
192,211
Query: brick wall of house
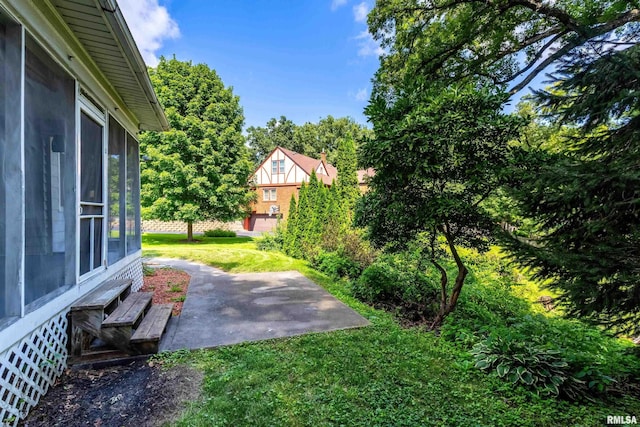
x,y
154,226
283,197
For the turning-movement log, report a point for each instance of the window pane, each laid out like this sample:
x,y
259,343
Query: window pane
x,y
274,166
10,174
133,196
91,161
49,120
116,199
85,245
281,166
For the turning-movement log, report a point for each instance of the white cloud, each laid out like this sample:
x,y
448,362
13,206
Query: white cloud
x,y
150,25
362,94
360,12
337,3
367,46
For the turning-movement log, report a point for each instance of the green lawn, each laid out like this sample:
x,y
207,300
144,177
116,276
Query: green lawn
x,y
379,375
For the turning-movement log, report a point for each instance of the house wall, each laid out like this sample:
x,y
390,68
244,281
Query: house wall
x,y
283,197
33,344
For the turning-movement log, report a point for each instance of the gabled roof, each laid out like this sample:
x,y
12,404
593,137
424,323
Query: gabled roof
x,y
309,164
100,28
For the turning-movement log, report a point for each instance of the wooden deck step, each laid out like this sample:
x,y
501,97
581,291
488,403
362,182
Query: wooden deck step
x,y
129,311
147,337
103,295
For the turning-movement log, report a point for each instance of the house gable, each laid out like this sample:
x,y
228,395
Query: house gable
x,y
279,169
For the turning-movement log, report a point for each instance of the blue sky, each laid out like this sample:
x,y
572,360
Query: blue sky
x,y
304,59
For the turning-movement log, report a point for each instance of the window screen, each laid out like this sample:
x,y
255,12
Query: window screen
x,y
116,173
49,120
133,196
10,174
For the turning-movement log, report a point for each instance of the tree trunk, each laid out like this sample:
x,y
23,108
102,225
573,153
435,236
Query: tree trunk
x,y
447,307
189,231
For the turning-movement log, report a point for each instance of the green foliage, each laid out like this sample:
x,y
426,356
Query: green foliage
x,y
578,200
522,363
271,242
439,152
218,232
309,139
199,169
347,182
583,198
336,265
509,41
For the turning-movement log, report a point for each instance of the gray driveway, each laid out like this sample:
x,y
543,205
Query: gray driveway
x,y
222,309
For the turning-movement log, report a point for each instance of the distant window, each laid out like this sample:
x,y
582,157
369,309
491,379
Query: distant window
x,y
277,166
269,194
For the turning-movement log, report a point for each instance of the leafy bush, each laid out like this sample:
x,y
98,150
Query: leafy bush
x,y
519,362
270,242
218,232
394,280
336,265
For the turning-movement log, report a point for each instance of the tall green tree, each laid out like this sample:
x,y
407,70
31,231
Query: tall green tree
x,y
262,140
439,152
503,41
347,180
582,194
585,199
198,170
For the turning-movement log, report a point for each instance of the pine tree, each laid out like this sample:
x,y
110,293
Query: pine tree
x,y
347,182
290,239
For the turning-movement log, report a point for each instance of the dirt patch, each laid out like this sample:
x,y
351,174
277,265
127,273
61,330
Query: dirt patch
x,y
168,286
136,394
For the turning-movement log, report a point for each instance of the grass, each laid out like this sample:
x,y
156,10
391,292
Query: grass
x,y
378,375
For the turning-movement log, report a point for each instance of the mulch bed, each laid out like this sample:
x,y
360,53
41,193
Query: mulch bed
x,y
168,286
139,394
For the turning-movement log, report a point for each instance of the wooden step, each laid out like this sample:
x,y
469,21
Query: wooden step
x,y
87,313
129,311
147,337
104,295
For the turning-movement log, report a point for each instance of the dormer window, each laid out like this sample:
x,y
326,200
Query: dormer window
x,y
277,166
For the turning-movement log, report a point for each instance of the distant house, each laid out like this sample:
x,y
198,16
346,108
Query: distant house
x,y
279,177
74,93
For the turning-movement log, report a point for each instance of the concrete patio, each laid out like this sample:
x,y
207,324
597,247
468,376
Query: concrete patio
x,y
222,309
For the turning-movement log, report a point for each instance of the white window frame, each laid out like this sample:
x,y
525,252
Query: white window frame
x,y
269,194
277,167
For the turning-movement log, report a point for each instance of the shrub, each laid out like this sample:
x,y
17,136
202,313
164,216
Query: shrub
x,y
270,242
393,280
519,362
218,232
336,265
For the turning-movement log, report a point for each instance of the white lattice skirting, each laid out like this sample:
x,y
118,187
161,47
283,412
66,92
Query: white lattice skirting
x,y
29,368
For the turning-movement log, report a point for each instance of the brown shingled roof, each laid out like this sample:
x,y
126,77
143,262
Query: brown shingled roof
x,y
309,164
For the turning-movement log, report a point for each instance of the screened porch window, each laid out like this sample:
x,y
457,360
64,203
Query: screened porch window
x,y
133,196
49,152
10,174
117,162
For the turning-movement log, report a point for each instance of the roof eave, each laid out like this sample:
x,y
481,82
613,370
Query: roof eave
x,y
120,29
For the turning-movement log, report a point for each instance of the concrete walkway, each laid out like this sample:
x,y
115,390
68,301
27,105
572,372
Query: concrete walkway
x,y
222,309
